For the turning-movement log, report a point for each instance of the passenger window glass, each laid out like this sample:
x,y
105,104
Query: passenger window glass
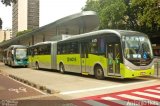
x,y
97,46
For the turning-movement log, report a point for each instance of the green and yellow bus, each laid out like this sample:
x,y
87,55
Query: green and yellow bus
x,y
43,55
103,53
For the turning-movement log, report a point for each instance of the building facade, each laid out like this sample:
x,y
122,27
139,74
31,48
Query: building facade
x,y
25,15
5,35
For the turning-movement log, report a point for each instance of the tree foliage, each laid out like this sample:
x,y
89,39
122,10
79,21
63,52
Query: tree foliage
x,y
23,32
8,2
142,15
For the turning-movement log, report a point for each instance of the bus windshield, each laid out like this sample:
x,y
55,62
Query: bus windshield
x,y
21,53
137,47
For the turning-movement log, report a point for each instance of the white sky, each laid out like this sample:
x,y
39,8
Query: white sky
x,y
50,11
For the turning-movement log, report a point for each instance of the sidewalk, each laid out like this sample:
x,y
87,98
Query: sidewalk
x,y
29,77
52,82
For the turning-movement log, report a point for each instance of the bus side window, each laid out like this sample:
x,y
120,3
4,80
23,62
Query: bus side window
x,y
97,46
101,46
59,49
73,47
93,47
48,49
35,51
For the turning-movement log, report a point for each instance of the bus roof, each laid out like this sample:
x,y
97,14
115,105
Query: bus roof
x,y
119,33
17,46
41,43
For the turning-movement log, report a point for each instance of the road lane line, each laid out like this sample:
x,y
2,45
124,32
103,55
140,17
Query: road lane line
x,y
152,90
147,94
136,98
158,88
118,101
34,97
103,88
94,103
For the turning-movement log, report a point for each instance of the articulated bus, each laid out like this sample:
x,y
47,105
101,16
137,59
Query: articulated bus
x,y
43,55
103,53
15,55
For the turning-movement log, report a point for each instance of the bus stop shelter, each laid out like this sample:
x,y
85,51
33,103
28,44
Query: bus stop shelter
x,y
82,22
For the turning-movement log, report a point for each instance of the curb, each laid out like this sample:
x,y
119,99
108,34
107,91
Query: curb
x,y
37,86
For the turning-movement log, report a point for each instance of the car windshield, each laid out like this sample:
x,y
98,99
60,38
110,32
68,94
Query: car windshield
x,y
21,53
137,47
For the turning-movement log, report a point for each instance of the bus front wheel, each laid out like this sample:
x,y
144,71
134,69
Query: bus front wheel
x,y
99,74
61,68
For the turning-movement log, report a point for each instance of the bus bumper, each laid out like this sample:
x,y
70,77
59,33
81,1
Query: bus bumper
x,y
128,73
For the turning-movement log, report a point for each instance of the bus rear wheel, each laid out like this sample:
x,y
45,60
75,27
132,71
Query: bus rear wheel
x,y
61,68
99,74
37,66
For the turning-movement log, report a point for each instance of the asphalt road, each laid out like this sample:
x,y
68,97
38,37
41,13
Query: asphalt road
x,y
11,89
14,93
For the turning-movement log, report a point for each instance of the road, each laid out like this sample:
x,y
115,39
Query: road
x,y
16,93
72,87
11,89
146,96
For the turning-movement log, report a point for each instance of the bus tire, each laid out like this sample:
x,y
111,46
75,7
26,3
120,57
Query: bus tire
x,y
61,68
37,66
98,71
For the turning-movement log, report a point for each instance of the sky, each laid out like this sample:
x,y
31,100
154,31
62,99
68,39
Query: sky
x,y
50,11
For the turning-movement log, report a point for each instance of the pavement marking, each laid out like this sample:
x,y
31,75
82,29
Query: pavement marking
x,y
34,97
103,88
29,86
118,101
18,90
147,94
139,98
94,103
158,88
152,90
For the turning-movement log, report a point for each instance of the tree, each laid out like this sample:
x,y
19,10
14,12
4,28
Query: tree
x,y
92,5
110,12
23,32
141,15
147,14
8,2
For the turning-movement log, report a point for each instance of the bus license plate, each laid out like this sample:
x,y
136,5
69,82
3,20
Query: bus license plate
x,y
142,73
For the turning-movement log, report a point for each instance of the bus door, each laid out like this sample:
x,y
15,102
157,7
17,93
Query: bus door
x,y
84,56
113,54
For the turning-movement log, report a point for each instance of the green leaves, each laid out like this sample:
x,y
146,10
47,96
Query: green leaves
x,y
148,14
8,2
23,32
142,15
